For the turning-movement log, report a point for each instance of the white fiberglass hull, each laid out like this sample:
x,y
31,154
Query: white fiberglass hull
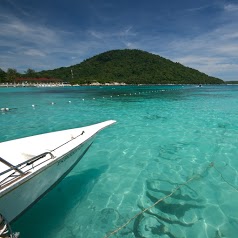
x,y
16,197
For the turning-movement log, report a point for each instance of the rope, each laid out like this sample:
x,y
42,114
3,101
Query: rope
x,y
212,164
165,197
148,208
73,138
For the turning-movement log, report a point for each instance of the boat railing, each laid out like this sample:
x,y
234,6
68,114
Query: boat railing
x,y
18,168
11,167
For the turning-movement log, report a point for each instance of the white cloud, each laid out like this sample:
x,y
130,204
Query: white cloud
x,y
33,40
96,34
230,35
231,7
113,33
198,8
198,60
214,53
210,65
230,50
20,32
127,31
34,52
130,45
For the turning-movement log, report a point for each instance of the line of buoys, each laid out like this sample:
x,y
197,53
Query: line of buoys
x,y
6,109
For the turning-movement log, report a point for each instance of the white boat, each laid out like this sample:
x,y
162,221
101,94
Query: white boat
x,y
30,166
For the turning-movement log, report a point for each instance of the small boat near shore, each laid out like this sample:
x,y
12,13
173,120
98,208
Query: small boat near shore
x,y
31,166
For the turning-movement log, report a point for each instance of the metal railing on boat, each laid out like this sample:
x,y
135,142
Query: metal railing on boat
x,y
18,169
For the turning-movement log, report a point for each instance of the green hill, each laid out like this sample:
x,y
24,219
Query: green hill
x,y
130,67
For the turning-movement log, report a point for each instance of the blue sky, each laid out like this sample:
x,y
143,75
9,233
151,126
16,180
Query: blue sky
x,y
46,34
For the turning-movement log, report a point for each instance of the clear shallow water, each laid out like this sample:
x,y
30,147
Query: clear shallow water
x,y
164,136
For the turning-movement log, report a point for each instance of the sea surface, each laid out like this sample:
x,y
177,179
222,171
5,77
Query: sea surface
x,y
168,168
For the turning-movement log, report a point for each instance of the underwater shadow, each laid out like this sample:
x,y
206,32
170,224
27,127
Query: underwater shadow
x,y
49,213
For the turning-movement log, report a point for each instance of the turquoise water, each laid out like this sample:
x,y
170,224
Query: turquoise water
x,y
164,136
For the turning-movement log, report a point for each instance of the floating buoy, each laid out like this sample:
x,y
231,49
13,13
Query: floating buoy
x,y
69,102
5,109
52,103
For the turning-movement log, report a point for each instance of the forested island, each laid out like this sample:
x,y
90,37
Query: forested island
x,y
121,66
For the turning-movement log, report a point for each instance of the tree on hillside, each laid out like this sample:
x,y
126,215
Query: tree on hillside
x,y
30,73
12,74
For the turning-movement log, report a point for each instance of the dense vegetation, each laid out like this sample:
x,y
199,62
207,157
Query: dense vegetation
x,y
127,66
231,82
3,76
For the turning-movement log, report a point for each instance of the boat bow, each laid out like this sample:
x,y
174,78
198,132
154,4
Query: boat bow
x,y
30,166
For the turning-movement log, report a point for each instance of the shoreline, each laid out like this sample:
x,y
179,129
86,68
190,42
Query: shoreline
x,y
42,85
38,85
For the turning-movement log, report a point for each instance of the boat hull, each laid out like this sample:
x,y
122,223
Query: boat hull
x,y
16,201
